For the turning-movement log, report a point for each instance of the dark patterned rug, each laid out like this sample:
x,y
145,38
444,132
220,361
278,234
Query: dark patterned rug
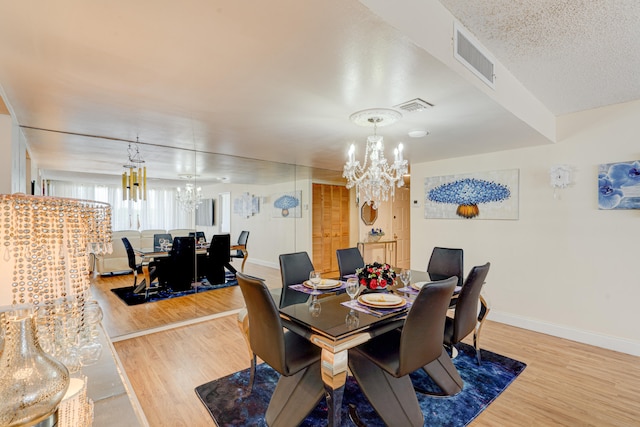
x,y
225,400
130,298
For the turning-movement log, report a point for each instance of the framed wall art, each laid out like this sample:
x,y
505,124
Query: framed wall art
x,y
246,205
287,205
619,185
478,195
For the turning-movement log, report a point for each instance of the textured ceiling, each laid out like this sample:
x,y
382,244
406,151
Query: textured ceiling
x,y
209,85
572,55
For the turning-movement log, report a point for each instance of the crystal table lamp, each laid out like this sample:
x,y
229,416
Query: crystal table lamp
x,y
44,290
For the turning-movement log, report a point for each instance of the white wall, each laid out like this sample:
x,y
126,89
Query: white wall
x,y
564,268
268,236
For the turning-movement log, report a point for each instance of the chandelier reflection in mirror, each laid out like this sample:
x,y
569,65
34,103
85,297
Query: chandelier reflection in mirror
x,y
375,179
189,197
134,177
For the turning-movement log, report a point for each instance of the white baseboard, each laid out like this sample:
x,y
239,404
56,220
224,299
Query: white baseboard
x,y
585,337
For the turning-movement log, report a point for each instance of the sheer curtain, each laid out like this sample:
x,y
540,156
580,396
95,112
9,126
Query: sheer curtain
x,y
159,211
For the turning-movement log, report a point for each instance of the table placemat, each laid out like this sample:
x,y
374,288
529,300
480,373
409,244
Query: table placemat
x,y
378,312
302,288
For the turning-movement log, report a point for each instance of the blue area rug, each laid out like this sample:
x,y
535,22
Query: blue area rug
x,y
226,401
130,298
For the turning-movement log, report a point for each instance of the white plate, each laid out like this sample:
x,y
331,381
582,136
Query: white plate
x,y
324,284
381,300
419,285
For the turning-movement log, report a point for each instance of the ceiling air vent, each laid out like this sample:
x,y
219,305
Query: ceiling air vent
x,y
414,105
473,56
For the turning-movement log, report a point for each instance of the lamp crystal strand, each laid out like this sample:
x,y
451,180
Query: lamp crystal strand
x,y
45,264
375,179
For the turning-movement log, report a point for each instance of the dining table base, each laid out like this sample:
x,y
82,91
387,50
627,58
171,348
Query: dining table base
x,y
334,376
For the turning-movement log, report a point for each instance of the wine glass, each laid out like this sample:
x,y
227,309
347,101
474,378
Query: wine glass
x,y
352,287
315,308
352,320
314,278
405,277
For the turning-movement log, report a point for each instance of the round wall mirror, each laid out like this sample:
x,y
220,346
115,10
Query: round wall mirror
x,y
368,214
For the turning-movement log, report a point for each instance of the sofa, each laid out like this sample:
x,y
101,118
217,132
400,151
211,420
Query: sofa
x,y
117,261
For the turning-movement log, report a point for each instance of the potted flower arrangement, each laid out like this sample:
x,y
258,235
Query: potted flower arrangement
x,y
376,276
375,234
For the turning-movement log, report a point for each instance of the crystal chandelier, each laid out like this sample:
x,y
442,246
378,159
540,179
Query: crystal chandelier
x,y
134,177
189,197
375,179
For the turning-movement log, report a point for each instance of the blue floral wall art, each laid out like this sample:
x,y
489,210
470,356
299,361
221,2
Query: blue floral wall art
x,y
287,205
479,195
619,185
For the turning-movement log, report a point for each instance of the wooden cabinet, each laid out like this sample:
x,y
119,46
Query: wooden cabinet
x,y
330,225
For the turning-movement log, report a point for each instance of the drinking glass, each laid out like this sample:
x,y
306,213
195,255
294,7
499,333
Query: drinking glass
x,y
315,308
352,287
352,320
405,277
314,278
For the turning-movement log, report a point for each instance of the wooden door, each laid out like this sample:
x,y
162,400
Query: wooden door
x,y
330,226
401,226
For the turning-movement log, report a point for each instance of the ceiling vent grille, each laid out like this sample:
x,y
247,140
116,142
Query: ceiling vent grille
x,y
472,56
414,105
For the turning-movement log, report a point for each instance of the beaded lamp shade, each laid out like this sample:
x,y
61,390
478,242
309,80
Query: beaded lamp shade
x,y
44,264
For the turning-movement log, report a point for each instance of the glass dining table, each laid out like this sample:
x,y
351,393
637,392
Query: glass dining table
x,y
333,323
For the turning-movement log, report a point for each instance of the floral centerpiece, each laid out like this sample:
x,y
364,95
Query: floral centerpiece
x,y
376,276
375,234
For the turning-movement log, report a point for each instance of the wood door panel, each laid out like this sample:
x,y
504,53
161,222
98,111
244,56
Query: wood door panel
x,y
330,225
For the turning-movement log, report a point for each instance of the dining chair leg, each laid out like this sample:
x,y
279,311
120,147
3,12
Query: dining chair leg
x,y
394,399
252,374
244,259
295,397
444,374
482,315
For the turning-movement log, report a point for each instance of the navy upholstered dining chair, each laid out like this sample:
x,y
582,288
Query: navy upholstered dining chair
x,y
296,359
383,364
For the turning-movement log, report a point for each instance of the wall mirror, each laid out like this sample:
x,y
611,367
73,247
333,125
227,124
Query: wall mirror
x,y
368,214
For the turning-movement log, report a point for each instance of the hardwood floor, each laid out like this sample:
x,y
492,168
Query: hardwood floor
x,y
565,383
